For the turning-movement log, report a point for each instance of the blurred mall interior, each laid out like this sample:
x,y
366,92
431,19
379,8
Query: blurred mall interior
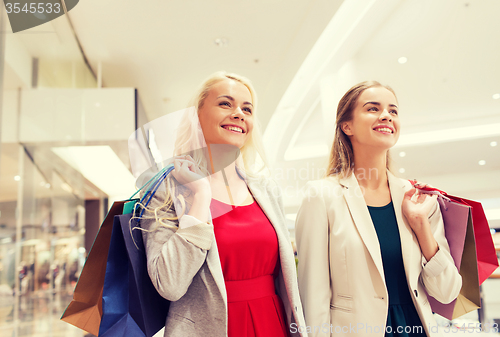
x,y
74,89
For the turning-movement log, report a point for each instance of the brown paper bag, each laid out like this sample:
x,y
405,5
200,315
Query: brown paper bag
x,y
85,310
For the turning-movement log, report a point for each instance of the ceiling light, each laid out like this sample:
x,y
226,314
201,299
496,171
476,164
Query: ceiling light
x,y
47,185
17,178
496,96
110,175
482,162
493,144
402,154
401,170
221,42
402,60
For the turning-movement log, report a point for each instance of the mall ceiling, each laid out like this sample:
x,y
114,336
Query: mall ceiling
x,y
441,57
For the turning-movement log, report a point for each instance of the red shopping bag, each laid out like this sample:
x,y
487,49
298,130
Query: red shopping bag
x,y
471,247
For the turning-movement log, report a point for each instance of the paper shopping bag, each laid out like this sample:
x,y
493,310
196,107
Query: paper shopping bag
x,y
131,304
471,247
487,261
85,310
459,233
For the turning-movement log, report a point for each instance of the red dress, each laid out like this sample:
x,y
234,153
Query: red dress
x,y
248,251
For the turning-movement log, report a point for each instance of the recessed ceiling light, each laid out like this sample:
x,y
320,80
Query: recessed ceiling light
x,y
17,178
401,170
496,96
493,144
402,60
221,42
402,154
482,162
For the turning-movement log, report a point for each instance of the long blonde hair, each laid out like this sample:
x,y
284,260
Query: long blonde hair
x,y
341,160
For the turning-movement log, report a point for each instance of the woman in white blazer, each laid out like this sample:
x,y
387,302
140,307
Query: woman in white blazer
x,y
370,248
216,240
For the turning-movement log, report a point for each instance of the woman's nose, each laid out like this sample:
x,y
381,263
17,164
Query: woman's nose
x,y
385,115
238,114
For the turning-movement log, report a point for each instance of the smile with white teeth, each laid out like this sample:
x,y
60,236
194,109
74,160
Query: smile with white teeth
x,y
384,130
233,128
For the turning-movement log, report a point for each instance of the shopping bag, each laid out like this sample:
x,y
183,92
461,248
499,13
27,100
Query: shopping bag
x,y
471,247
459,232
131,305
487,261
85,310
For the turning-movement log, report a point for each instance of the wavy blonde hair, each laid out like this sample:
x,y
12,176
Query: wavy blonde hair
x,y
341,161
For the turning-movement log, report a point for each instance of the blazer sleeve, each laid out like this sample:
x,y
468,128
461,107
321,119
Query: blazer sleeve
x,y
174,255
312,236
439,275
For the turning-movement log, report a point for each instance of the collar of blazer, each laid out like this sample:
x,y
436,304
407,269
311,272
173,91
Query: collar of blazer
x,y
361,216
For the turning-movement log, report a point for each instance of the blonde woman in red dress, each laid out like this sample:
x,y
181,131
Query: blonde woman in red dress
x,y
225,262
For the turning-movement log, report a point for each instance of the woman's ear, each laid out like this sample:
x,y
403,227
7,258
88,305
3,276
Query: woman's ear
x,y
346,127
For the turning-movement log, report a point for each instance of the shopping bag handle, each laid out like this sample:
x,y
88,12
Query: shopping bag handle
x,y
442,195
151,186
432,190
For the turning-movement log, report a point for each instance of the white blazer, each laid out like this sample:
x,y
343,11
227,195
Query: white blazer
x,y
341,276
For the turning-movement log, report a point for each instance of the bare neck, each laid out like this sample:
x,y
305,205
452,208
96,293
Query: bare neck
x,y
370,168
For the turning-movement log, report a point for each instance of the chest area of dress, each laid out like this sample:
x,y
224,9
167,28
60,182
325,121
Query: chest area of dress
x,y
246,240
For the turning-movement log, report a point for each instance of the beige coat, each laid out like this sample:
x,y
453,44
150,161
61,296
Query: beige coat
x,y
341,276
185,269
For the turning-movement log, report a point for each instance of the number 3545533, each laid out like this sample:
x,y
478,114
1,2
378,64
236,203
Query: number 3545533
x,y
34,7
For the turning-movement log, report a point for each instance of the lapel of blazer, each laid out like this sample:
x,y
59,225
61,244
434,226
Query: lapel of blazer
x,y
353,196
277,220
397,188
213,263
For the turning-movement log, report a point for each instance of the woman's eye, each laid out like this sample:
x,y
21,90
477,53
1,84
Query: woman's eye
x,y
373,108
225,103
249,110
394,112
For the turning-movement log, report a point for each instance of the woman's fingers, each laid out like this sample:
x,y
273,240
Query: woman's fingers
x,y
409,193
421,197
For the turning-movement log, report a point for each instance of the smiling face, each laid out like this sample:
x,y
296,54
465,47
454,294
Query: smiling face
x,y
375,121
226,116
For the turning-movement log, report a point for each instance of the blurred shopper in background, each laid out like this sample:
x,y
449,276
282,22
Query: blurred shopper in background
x,y
370,247
224,256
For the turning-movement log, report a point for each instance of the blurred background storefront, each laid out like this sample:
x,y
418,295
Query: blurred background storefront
x,y
74,89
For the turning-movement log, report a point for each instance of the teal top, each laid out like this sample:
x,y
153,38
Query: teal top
x,y
402,317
